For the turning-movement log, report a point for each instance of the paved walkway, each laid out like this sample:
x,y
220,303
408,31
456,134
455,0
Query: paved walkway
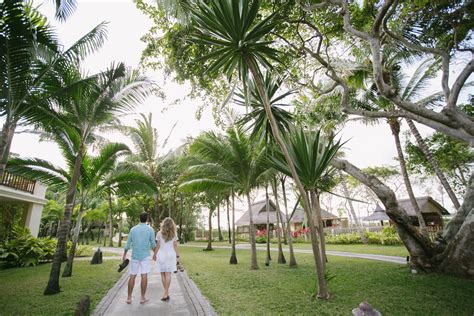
x,y
391,259
185,297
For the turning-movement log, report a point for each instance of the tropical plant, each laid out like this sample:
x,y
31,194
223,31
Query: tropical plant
x,y
85,105
234,162
312,155
31,66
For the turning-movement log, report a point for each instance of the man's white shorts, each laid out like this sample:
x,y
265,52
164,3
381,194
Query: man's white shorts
x,y
140,266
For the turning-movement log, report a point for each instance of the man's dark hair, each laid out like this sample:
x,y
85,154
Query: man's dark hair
x,y
143,217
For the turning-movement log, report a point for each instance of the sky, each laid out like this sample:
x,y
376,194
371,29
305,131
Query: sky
x,y
366,146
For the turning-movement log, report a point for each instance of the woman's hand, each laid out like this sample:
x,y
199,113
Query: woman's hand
x,y
154,257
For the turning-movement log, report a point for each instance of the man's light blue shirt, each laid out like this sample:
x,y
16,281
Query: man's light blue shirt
x,y
141,239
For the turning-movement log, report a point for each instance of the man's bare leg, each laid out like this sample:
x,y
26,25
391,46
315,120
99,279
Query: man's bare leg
x,y
131,284
144,284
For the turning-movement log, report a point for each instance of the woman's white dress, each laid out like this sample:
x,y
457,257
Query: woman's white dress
x,y
166,256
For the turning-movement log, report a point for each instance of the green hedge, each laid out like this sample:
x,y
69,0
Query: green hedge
x,y
388,236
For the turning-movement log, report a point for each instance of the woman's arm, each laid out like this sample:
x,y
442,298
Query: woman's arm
x,y
175,245
156,249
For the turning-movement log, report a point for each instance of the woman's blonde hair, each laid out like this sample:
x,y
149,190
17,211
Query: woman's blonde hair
x,y
168,229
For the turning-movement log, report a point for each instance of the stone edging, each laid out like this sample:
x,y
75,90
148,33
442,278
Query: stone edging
x,y
200,304
104,304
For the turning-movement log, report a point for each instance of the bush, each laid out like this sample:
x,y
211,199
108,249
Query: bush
x,y
25,250
388,236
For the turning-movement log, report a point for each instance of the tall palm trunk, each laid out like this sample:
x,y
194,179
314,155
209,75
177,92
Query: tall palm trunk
x,y
323,292
120,230
281,257
70,259
219,231
228,219
111,223
253,246
233,255
318,223
293,263
209,237
267,209
294,174
351,209
6,138
395,127
434,163
53,284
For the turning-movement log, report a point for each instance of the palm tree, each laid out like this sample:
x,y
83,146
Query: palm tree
x,y
226,163
239,40
98,175
312,155
31,64
292,263
85,105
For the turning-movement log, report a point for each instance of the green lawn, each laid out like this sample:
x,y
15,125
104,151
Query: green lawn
x,y
21,290
278,290
399,251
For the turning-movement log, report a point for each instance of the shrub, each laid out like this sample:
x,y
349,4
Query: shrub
x,y
25,250
388,236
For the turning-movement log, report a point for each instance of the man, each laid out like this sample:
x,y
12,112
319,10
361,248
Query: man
x,y
141,239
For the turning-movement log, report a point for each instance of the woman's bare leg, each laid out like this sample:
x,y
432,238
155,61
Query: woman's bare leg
x,y
163,281
168,283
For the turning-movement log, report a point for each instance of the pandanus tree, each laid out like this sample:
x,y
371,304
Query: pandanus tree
x,y
239,40
257,122
31,64
82,107
233,162
312,155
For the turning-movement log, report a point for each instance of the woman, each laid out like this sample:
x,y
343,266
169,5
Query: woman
x,y
166,253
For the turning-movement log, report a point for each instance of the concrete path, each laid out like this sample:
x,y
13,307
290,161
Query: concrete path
x,y
185,298
391,259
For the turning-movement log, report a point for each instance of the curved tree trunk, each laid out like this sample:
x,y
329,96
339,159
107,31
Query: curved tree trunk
x,y
279,140
267,210
395,127
209,237
253,246
233,255
318,223
351,209
6,138
219,231
70,259
53,283
433,162
292,263
281,257
229,235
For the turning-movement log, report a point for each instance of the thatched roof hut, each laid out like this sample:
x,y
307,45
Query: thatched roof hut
x,y
378,215
431,210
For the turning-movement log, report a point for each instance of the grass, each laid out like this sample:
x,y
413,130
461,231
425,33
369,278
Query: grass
x,y
21,290
399,251
278,290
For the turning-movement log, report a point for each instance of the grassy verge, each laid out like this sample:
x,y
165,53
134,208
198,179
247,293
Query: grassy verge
x,y
278,290
21,290
399,251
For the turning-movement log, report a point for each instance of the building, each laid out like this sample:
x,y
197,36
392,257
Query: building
x,y
260,218
17,189
431,210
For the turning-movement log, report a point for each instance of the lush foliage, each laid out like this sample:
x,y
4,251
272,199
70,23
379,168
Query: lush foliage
x,y
23,250
388,236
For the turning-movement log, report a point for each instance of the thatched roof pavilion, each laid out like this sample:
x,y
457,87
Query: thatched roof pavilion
x,y
378,215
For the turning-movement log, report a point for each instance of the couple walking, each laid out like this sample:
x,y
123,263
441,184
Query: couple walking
x,y
142,240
